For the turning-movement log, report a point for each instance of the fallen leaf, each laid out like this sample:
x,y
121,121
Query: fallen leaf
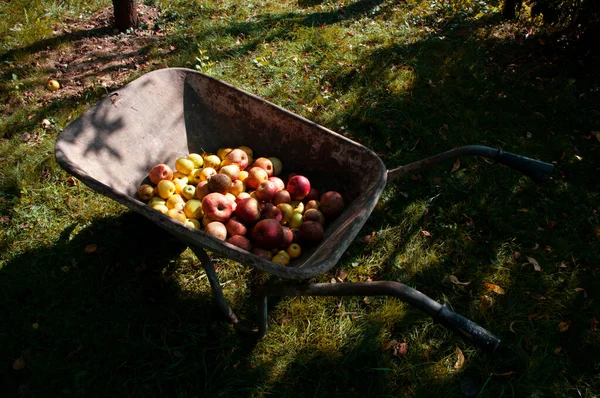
x,y
494,288
564,326
578,157
72,181
485,302
19,364
426,233
504,375
332,280
367,238
460,361
388,144
65,268
367,300
398,349
455,280
456,165
341,275
90,248
536,265
35,325
536,246
511,327
580,289
557,350
4,219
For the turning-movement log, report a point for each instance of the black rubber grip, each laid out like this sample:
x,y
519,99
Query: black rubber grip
x,y
467,329
535,169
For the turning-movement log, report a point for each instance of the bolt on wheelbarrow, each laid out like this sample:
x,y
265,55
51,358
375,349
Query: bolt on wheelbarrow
x,y
169,113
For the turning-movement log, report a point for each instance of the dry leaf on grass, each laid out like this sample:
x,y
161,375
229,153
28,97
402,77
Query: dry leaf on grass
x,y
460,361
398,349
536,265
341,275
456,165
426,233
19,364
494,288
455,280
485,302
90,248
564,326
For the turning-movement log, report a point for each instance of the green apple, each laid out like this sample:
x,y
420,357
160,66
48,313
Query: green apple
x,y
188,192
296,220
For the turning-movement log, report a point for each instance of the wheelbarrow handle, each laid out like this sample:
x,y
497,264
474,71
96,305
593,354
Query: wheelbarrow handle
x,y
535,169
467,329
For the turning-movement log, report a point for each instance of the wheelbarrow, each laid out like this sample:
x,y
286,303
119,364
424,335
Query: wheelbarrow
x,y
169,113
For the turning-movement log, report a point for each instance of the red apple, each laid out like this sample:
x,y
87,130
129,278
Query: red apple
x,y
314,215
236,156
241,195
216,229
220,183
282,196
235,227
264,253
269,210
160,172
266,190
298,186
256,175
248,211
311,232
313,194
264,164
241,242
217,207
288,237
267,234
278,183
202,189
331,204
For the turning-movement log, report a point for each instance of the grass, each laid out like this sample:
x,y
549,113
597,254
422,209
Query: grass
x,y
407,79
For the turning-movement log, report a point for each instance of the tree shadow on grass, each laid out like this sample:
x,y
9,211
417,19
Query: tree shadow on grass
x,y
99,319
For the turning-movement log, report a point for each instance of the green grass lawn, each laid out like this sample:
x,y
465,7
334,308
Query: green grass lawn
x,y
97,301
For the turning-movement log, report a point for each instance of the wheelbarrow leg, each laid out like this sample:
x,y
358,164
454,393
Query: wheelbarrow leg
x,y
219,297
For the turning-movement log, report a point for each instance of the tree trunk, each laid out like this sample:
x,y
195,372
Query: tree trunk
x,y
125,14
509,9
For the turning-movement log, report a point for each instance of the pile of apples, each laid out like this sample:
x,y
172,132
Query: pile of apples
x,y
243,201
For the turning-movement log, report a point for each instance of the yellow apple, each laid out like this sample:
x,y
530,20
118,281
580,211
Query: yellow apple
x,y
157,200
177,214
280,259
243,175
193,209
195,176
162,208
237,187
52,85
206,173
298,206
146,192
212,161
180,183
175,201
190,222
165,188
197,159
184,165
231,170
222,152
294,250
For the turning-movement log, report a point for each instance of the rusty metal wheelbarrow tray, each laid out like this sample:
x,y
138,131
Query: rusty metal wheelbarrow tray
x,y
169,113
